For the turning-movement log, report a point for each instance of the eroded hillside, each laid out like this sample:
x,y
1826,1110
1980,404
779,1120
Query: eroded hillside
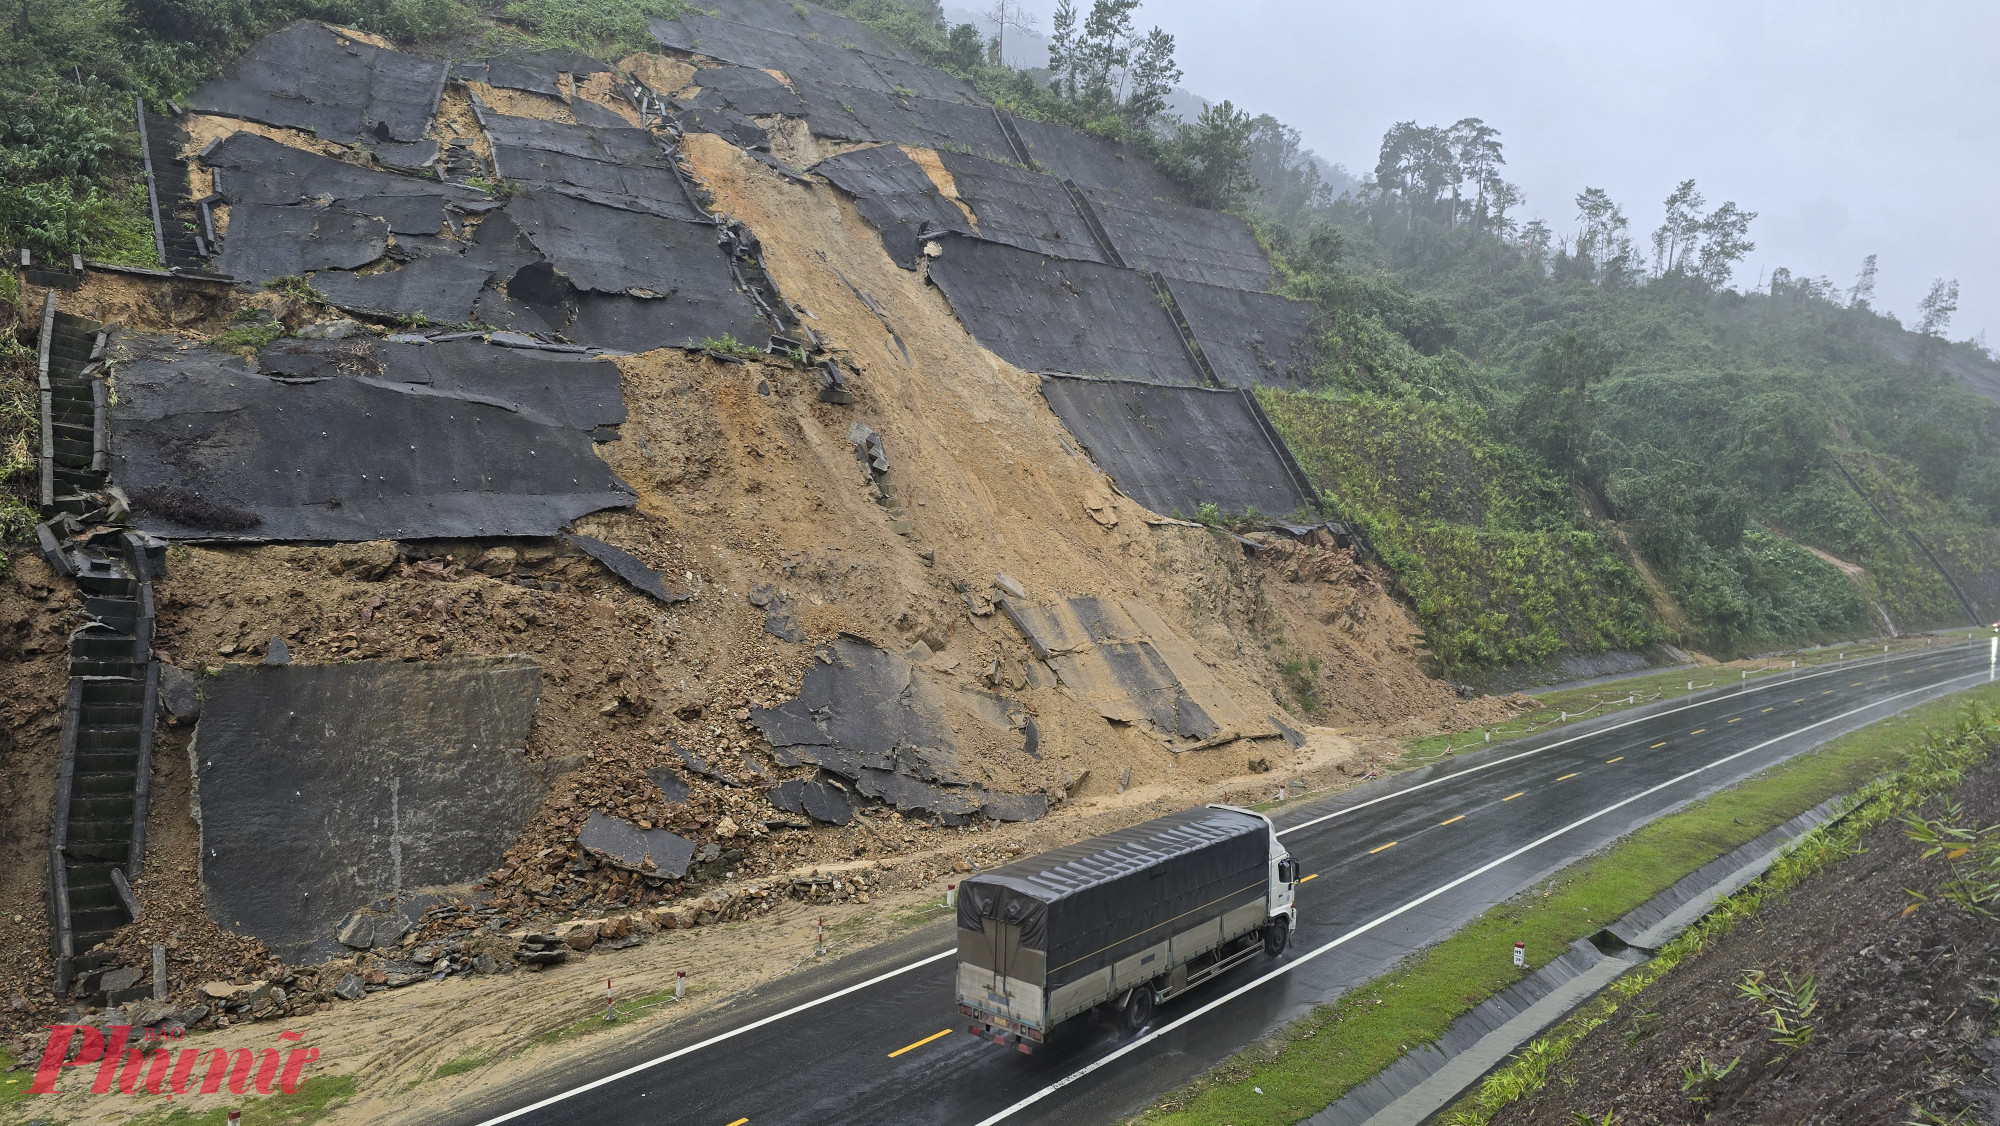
x,y
488,571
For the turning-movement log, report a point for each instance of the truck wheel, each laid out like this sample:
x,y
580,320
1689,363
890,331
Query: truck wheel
x,y
1138,1009
1277,935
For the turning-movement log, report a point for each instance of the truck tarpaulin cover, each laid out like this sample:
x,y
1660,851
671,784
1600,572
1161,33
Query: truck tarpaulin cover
x,y
1084,905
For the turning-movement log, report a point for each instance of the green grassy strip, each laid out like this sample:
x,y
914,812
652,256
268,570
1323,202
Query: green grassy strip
x,y
1938,765
1316,1060
1611,696
313,1101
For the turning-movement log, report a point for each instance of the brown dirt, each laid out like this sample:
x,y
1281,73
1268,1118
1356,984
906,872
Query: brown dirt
x,y
602,88
37,609
1903,1002
522,103
455,121
658,73
745,478
933,166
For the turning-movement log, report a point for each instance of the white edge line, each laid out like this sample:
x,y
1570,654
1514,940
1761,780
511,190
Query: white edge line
x,y
1425,898
717,1039
921,962
1457,774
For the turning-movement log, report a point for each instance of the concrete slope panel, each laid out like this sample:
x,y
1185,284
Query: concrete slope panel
x,y
1050,315
1174,449
324,788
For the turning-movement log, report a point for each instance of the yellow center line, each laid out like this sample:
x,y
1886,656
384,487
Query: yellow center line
x,y
1656,746
1460,817
1698,731
1379,848
739,1122
1609,761
1829,691
1511,797
1856,684
1800,700
1765,710
900,1051
1738,719
1314,876
1566,778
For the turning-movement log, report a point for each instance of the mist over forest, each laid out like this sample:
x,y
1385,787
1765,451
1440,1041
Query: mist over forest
x,y
1561,429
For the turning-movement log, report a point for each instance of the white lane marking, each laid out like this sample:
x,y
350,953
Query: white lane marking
x,y
717,1039
1552,746
1425,898
921,962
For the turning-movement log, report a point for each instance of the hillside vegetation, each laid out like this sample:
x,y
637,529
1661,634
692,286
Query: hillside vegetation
x,y
1557,441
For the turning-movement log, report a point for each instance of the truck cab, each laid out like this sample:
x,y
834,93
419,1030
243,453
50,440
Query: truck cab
x,y
1283,877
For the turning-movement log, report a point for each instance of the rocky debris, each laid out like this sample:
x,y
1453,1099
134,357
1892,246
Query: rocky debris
x,y
1009,585
277,653
635,848
779,620
821,800
338,329
365,929
628,567
349,988
179,694
538,950
671,786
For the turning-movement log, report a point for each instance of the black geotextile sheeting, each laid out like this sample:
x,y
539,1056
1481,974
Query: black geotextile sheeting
x,y
266,242
1183,242
896,198
1021,208
441,289
323,788
306,77
620,164
1047,314
865,714
581,391
1087,905
804,21
746,89
1094,163
850,114
621,279
629,567
257,169
1249,339
1174,449
208,448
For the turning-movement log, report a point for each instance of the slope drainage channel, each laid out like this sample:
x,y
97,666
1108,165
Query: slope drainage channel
x,y
1430,1078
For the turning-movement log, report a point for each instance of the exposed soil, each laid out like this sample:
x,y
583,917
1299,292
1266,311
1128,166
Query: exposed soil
x,y
1905,1002
744,479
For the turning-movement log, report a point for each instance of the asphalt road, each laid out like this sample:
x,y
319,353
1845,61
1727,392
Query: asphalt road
x,y
1395,865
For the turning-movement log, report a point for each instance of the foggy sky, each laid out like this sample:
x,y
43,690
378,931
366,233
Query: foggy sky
x,y
1850,129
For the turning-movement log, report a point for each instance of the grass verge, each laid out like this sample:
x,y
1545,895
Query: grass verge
x,y
1310,1064
1937,765
1571,705
313,1101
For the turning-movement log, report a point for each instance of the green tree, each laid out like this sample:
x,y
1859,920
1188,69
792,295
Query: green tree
x,y
1556,417
1211,155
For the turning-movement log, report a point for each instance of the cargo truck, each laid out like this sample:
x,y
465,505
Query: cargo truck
x,y
1121,922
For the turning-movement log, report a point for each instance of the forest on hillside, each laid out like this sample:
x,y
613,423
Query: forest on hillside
x,y
1558,433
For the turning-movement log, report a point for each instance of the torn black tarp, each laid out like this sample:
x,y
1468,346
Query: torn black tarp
x,y
629,567
616,164
896,197
441,289
747,90
257,169
208,448
854,114
1174,449
896,733
308,77
1249,339
1021,208
267,242
1046,314
581,391
622,844
802,21
628,280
